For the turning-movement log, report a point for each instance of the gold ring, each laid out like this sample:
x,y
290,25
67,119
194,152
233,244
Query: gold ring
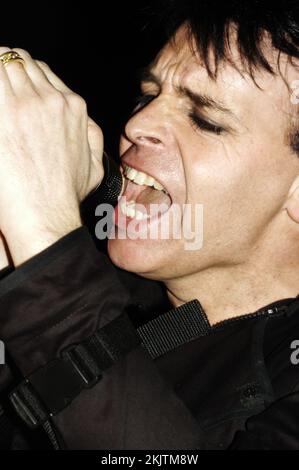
x,y
11,56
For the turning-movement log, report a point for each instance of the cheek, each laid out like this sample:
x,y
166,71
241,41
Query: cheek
x,y
222,168
233,186
212,171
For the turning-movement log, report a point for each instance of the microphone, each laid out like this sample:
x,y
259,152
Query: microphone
x,y
107,192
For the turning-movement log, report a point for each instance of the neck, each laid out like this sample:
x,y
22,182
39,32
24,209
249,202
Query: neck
x,y
228,292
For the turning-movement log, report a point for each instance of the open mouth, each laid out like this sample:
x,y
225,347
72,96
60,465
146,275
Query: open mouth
x,y
144,197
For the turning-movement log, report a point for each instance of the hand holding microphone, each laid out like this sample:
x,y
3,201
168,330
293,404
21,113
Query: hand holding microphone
x,y
50,155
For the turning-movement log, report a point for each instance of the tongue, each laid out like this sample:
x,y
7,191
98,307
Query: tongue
x,y
148,200
152,201
152,196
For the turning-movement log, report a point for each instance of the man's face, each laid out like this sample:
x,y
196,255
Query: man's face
x,y
221,144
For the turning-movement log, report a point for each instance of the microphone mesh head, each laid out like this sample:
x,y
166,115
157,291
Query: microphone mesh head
x,y
112,182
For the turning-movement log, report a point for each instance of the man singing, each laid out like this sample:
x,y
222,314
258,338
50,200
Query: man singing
x,y
217,126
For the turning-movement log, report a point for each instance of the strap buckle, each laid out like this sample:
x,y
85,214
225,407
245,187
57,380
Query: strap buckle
x,y
36,398
52,388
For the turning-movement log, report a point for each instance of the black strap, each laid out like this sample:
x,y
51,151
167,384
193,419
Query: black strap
x,y
6,429
174,328
53,387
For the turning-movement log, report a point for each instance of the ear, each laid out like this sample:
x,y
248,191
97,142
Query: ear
x,y
292,204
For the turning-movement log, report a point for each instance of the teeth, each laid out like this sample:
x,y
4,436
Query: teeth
x,y
140,215
142,179
150,181
131,173
129,209
158,186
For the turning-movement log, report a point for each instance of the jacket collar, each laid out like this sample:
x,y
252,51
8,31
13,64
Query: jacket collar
x,y
189,322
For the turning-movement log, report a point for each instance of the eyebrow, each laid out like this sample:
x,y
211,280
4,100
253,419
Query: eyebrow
x,y
199,99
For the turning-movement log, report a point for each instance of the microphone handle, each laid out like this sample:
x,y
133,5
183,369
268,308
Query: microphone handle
x,y
107,192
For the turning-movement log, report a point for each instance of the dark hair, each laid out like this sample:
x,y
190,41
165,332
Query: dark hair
x,y
210,22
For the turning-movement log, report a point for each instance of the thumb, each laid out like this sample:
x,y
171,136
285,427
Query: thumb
x,y
96,145
4,257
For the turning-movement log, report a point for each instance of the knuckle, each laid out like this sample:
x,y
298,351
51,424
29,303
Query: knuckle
x,y
4,49
42,64
77,101
95,128
22,52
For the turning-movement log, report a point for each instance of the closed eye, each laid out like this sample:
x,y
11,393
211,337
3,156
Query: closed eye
x,y
198,121
205,125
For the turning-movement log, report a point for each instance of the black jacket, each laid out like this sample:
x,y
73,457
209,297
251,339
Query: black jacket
x,y
233,386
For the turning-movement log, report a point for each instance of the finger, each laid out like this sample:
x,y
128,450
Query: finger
x,y
5,85
18,77
96,145
95,139
35,73
53,79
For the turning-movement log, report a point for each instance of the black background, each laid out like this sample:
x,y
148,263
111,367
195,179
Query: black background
x,y
96,47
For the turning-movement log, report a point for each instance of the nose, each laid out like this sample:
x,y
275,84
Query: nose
x,y
146,127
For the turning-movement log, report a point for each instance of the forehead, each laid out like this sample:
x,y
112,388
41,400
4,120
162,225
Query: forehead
x,y
178,64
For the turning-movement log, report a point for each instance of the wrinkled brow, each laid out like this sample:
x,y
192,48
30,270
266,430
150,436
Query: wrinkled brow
x,y
199,99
